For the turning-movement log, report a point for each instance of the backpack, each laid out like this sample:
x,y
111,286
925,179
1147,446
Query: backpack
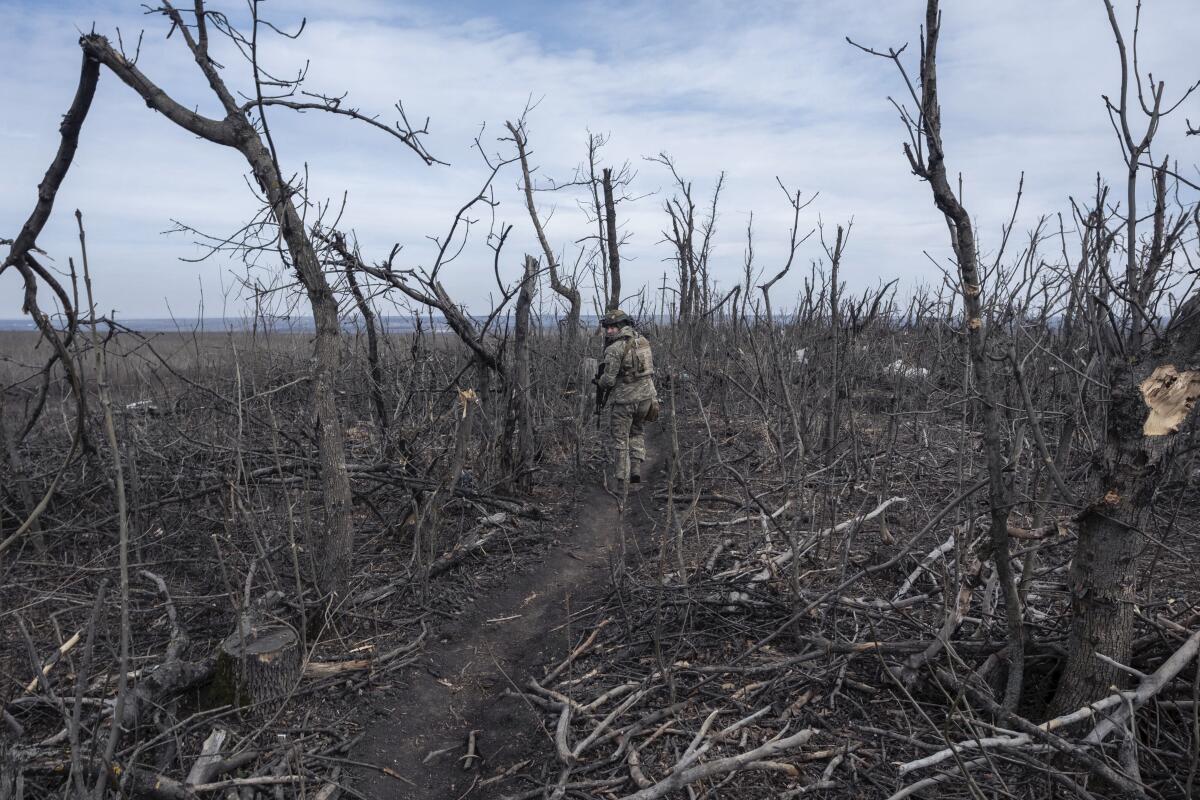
x,y
637,362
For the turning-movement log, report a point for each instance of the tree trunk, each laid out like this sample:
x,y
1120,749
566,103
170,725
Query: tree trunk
x,y
569,293
835,325
376,371
963,241
8,766
1144,420
610,225
522,410
1101,579
333,547
1101,585
258,665
1146,410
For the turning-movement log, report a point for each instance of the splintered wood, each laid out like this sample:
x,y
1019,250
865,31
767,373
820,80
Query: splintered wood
x,y
1171,395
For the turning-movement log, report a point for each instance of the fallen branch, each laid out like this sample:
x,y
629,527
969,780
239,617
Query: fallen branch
x,y
471,543
577,652
680,778
932,556
785,558
209,759
63,649
954,617
1076,752
173,675
326,669
934,780
1122,703
1151,685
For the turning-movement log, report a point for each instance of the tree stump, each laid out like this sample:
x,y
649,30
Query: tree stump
x,y
258,665
8,767
587,392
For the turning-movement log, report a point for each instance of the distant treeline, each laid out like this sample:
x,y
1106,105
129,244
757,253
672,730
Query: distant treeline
x,y
281,325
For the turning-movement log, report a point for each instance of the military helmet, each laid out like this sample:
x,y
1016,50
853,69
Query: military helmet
x,y
616,318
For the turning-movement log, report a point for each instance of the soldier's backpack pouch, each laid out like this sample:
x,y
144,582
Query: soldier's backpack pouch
x,y
654,410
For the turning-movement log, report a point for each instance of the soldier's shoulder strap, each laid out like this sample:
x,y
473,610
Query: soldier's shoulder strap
x,y
625,353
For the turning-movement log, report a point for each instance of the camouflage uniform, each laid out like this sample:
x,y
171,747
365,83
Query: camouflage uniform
x,y
629,373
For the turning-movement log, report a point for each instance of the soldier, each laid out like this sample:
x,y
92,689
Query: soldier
x,y
627,373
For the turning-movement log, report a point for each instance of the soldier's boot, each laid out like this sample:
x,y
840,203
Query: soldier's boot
x,y
635,472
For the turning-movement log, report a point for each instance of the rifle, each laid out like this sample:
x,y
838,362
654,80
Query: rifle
x,y
601,395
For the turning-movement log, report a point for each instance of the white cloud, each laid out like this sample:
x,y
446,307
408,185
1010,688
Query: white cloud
x,y
770,92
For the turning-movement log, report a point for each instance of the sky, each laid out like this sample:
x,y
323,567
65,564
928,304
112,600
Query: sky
x,y
765,92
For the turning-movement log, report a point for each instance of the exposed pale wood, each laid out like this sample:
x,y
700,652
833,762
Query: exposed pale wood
x,y
63,649
206,764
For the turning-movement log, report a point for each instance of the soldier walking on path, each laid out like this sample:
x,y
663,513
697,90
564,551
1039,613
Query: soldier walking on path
x,y
627,374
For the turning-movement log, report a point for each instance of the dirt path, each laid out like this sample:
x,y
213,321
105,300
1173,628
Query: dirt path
x,y
509,632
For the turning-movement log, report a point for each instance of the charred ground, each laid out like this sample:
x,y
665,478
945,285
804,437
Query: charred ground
x,y
936,542
706,612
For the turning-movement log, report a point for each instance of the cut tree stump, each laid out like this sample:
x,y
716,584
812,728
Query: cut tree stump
x,y
258,665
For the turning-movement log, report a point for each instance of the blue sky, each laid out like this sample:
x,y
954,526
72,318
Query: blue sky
x,y
773,91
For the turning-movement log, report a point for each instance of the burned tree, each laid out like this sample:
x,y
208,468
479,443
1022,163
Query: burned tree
x,y
927,158
1149,377
811,619
691,239
835,254
243,127
569,292
520,411
20,258
602,184
481,336
363,303
610,234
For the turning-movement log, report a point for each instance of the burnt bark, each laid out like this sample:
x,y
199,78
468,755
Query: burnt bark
x,y
1138,447
434,295
692,240
682,215
963,241
1130,467
1101,586
835,324
29,269
259,665
374,367
929,163
610,228
521,408
332,548
568,292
